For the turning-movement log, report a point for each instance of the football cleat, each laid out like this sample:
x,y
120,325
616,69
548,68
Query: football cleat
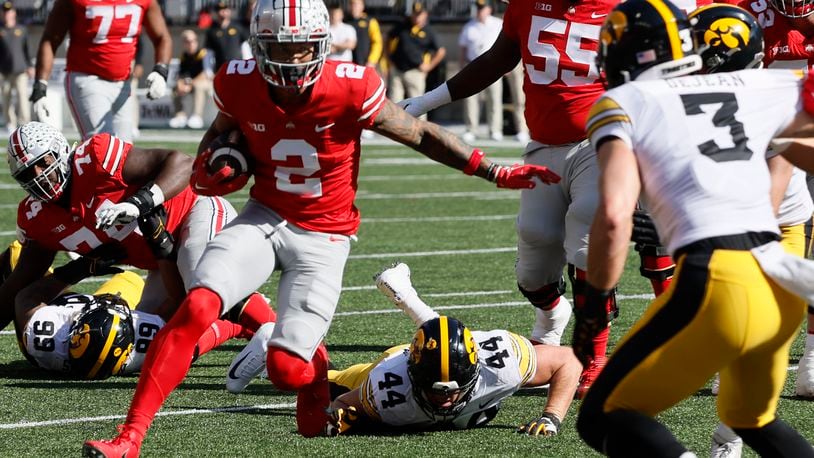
x,y
589,375
314,399
126,445
394,282
805,370
250,362
550,324
722,448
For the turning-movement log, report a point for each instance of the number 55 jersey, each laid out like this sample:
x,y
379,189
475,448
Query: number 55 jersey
x,y
713,155
507,361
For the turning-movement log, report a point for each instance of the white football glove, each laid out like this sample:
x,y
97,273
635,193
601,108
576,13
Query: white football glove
x,y
43,111
417,106
546,425
157,82
121,213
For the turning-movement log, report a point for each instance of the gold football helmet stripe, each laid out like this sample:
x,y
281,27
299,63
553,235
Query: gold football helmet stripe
x,y
444,337
671,25
111,336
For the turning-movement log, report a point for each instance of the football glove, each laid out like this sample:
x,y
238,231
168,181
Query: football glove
x,y
153,227
417,106
546,425
40,105
157,82
341,420
521,176
591,319
219,183
99,261
644,231
140,203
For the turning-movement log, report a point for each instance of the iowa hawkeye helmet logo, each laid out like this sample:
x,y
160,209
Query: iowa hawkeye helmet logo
x,y
729,32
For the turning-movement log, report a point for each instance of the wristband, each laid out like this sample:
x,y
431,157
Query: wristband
x,y
162,69
145,199
492,172
474,161
39,90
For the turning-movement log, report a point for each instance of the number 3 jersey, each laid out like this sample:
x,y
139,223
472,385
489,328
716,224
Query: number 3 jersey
x,y
306,158
705,174
507,361
46,337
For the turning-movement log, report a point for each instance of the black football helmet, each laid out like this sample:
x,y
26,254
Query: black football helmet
x,y
443,361
101,338
728,38
646,39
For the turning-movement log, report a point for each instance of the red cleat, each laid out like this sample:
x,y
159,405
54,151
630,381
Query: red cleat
x,y
126,445
589,375
313,399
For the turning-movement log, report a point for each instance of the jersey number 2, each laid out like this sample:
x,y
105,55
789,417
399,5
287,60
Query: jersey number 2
x,y
723,117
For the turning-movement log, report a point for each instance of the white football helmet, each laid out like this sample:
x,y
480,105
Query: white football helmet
x,y
290,21
41,145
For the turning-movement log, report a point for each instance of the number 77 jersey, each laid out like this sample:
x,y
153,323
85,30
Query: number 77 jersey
x,y
700,142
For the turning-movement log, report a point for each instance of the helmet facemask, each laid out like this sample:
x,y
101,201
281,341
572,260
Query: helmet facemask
x,y
38,157
793,8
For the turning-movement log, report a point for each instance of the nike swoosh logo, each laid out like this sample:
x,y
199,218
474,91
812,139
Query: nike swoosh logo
x,y
89,204
481,405
321,128
232,374
597,16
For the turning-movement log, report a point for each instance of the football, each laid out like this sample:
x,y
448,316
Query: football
x,y
229,149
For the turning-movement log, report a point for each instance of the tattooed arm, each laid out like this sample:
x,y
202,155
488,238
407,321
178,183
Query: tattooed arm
x,y
443,146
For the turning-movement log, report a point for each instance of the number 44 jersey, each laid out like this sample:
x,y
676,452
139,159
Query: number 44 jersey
x,y
507,361
305,158
700,142
46,337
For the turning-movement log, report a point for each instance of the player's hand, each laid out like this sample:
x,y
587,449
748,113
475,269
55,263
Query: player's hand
x,y
591,319
157,82
644,231
217,183
153,227
121,213
341,420
43,112
546,425
522,176
99,261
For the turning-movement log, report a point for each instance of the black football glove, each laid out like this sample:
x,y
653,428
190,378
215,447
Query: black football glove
x,y
546,424
591,319
99,261
644,231
341,420
153,226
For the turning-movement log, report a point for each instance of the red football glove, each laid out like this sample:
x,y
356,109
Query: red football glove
x,y
218,184
521,176
808,93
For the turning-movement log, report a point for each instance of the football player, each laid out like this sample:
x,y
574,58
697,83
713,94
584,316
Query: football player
x,y
103,36
708,190
788,30
90,198
385,392
302,124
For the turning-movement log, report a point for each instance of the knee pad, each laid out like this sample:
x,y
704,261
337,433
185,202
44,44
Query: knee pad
x,y
198,311
656,263
578,285
546,297
288,371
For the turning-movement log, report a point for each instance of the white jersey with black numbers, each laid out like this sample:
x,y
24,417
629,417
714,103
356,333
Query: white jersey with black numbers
x,y
47,339
507,361
700,142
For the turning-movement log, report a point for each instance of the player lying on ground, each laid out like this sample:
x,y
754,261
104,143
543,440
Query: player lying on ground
x,y
448,377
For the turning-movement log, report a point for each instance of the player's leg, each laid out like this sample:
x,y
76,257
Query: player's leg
x,y
683,338
235,263
394,282
540,251
124,124
582,177
804,385
90,99
126,284
312,266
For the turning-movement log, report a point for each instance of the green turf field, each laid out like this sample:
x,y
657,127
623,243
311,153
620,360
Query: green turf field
x,y
457,235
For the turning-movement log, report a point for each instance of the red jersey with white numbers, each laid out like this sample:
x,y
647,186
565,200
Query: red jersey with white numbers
x,y
784,46
306,159
558,42
103,36
96,182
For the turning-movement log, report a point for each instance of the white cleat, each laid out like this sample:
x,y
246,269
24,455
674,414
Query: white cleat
x,y
728,449
251,362
394,282
805,370
550,324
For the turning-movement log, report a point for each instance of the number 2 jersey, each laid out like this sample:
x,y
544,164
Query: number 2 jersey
x,y
46,337
507,361
305,159
705,175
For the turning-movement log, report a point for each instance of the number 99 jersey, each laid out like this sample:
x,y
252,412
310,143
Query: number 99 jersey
x,y
507,361
46,337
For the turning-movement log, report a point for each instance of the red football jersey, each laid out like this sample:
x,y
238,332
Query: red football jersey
x,y
96,181
103,36
784,46
306,160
